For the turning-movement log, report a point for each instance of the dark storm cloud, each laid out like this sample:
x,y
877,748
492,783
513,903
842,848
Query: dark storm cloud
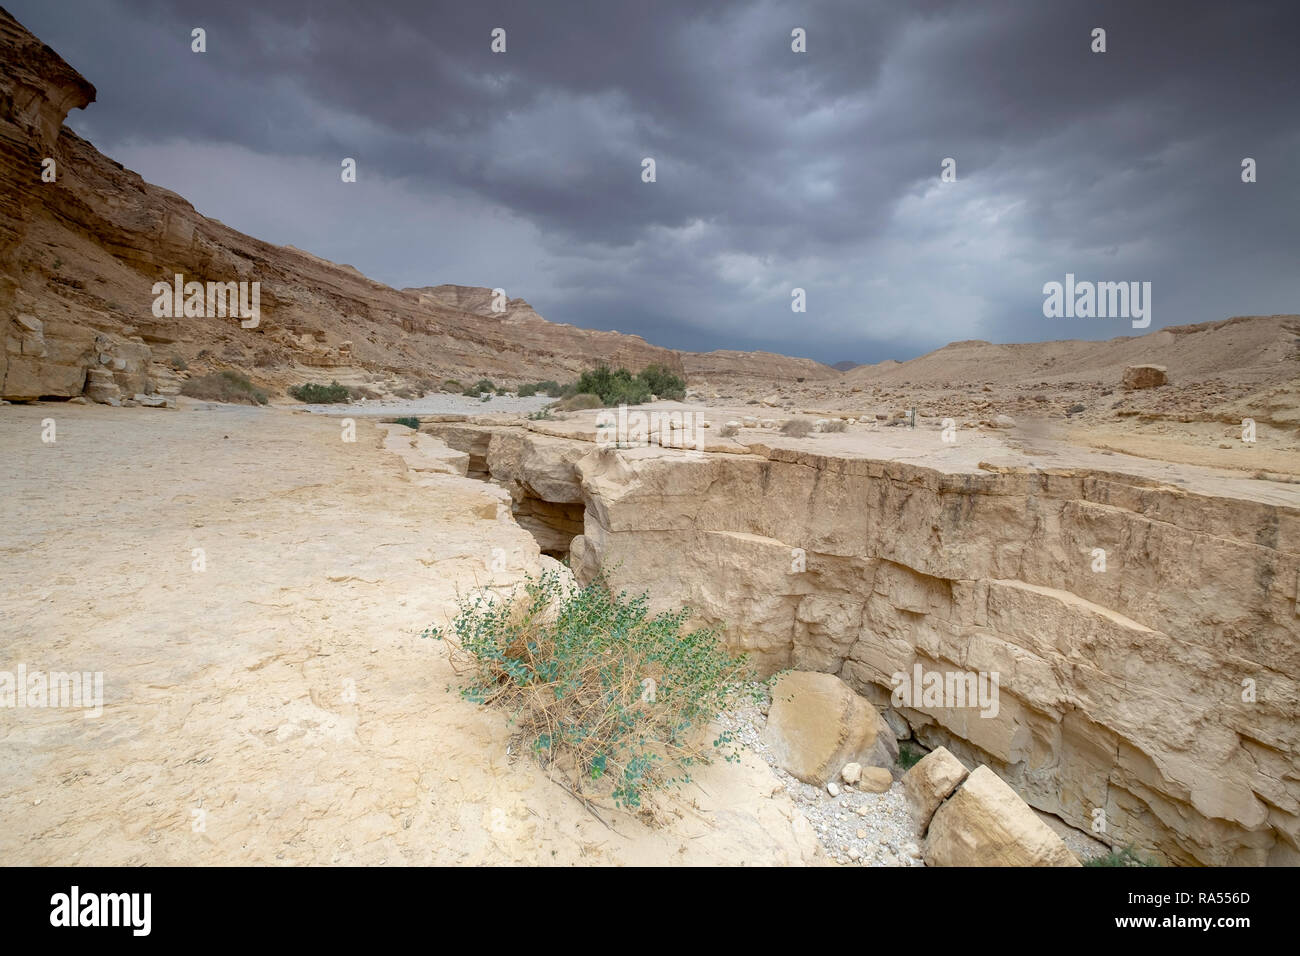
x,y
775,169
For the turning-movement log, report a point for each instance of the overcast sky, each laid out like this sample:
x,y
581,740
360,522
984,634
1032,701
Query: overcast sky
x,y
775,169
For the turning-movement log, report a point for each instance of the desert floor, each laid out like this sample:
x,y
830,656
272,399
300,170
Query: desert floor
x,y
280,706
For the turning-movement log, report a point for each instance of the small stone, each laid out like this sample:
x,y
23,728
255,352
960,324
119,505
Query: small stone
x,y
862,834
851,773
833,789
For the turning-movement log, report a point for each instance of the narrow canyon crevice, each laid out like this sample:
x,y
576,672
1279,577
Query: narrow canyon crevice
x,y
547,504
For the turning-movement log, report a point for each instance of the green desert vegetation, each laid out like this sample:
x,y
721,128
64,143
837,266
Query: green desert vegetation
x,y
603,692
316,394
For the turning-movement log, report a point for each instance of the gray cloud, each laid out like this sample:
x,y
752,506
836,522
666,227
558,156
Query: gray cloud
x,y
775,169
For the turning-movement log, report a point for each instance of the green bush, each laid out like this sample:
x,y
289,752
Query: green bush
x,y
549,388
600,690
225,386
451,385
479,387
621,387
408,422
616,387
314,394
663,382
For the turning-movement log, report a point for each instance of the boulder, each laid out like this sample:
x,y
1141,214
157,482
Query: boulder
x,y
817,724
984,823
1145,376
930,783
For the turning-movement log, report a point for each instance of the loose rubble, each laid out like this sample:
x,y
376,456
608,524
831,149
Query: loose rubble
x,y
853,827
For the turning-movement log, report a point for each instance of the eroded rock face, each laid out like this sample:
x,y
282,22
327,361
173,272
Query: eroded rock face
x,y
37,91
1120,690
984,823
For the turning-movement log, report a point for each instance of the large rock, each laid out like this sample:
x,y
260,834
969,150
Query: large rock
x,y
1145,376
817,724
930,783
984,823
102,387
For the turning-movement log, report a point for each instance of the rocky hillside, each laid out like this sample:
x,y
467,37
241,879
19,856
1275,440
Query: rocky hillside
x,y
79,257
727,365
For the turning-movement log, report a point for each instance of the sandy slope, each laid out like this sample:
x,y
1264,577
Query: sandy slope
x,y
284,690
1254,349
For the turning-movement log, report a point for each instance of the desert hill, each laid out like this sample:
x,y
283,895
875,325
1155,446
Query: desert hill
x,y
1256,350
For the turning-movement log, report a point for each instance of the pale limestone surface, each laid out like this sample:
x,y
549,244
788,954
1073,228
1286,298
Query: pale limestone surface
x,y
284,692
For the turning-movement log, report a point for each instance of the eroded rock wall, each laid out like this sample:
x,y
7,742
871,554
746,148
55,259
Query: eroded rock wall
x,y
1125,691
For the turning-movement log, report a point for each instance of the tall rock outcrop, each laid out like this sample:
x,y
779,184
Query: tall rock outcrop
x,y
37,89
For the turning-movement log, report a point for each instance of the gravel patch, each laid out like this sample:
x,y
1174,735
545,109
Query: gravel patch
x,y
854,828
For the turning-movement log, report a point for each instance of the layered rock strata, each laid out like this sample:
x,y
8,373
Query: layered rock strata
x,y
1142,635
